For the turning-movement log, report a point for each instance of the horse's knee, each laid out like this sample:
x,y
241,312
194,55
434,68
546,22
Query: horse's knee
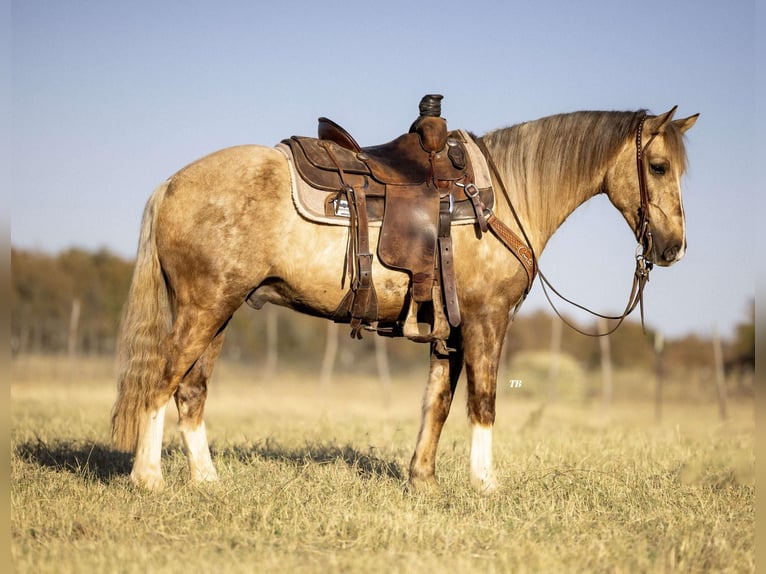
x,y
190,401
481,407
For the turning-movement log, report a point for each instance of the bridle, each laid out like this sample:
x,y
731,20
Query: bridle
x,y
526,255
643,233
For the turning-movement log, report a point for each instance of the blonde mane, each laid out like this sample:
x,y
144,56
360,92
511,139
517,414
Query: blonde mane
x,y
562,158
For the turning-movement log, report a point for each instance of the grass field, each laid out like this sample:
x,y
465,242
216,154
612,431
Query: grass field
x,y
313,480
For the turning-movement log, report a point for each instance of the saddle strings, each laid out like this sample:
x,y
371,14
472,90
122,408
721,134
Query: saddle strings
x,y
643,266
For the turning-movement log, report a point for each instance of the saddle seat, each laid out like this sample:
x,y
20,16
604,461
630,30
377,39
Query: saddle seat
x,y
403,161
415,186
407,160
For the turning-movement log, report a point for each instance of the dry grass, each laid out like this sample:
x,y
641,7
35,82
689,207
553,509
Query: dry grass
x,y
314,480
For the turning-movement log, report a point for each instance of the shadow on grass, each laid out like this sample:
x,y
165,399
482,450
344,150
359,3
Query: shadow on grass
x,y
366,464
92,460
103,463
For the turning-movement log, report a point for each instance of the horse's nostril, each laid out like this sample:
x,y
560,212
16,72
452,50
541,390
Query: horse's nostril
x,y
670,253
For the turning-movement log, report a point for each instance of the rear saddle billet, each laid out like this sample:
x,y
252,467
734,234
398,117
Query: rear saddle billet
x,y
414,188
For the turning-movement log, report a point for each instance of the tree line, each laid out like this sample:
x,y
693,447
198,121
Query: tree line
x,y
72,302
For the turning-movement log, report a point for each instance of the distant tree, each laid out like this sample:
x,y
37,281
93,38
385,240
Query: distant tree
x,y
739,359
632,347
43,288
41,298
743,347
688,352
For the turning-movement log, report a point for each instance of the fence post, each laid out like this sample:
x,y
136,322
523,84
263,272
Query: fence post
x,y
330,352
720,378
384,373
606,364
659,346
553,368
74,325
272,341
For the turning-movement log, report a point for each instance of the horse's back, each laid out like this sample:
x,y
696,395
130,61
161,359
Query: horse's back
x,y
239,170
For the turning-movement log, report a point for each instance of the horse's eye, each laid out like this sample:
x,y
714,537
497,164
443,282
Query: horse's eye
x,y
658,168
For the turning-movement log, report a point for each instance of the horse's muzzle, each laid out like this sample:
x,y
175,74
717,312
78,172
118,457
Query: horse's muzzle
x,y
672,254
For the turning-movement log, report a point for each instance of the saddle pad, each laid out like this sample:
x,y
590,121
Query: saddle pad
x,y
311,202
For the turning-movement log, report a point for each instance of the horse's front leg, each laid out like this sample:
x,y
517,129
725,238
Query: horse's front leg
x,y
483,341
442,380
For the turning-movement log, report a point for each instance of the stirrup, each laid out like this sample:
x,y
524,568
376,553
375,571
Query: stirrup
x,y
424,332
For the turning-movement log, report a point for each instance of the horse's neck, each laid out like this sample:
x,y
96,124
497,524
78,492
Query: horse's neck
x,y
542,201
544,209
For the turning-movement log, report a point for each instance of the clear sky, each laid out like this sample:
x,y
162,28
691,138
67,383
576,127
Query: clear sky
x,y
109,98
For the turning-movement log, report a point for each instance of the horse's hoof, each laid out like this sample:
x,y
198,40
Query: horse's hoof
x,y
423,485
485,485
205,477
153,482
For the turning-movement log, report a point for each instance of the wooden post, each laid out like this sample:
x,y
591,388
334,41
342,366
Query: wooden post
x,y
272,341
384,373
74,324
720,379
606,365
553,368
330,353
659,345
74,327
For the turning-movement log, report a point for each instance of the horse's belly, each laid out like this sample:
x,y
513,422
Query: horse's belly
x,y
320,290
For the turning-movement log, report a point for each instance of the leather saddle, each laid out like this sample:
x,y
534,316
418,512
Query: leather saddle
x,y
415,186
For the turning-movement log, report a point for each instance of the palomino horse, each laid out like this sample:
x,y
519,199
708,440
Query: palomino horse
x,y
224,229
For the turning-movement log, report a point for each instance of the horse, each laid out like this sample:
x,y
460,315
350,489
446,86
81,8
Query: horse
x,y
224,230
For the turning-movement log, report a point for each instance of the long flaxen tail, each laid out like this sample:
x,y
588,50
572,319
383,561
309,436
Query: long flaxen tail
x,y
145,325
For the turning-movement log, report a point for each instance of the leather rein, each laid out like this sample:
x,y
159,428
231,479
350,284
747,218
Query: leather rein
x,y
526,255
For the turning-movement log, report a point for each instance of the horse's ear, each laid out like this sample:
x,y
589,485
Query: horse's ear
x,y
685,124
658,123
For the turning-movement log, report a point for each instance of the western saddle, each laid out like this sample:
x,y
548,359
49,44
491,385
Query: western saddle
x,y
413,187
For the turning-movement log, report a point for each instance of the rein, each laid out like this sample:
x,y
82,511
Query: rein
x,y
526,255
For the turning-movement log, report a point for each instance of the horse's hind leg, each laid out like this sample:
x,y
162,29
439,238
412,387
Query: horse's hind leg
x,y
194,332
190,399
437,400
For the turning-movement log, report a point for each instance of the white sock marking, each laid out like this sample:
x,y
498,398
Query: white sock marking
x,y
482,474
198,454
146,466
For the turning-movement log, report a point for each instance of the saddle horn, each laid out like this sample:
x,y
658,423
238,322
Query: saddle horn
x,y
431,105
431,127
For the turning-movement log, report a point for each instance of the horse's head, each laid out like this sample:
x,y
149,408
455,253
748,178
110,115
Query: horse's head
x,y
658,218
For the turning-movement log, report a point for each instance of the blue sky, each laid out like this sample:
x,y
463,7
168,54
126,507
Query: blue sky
x,y
110,98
